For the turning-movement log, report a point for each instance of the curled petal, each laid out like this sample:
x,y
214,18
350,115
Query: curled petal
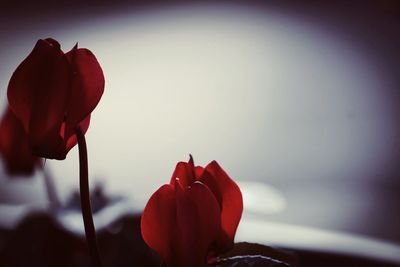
x,y
86,89
37,94
158,222
198,170
230,200
53,43
181,223
14,149
198,224
185,172
53,93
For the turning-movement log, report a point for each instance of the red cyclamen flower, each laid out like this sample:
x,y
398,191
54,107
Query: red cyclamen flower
x,y
195,217
52,93
14,150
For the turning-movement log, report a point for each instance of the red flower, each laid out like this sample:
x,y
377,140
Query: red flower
x,y
195,217
14,149
52,93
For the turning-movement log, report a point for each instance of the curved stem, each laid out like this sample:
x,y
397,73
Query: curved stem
x,y
85,200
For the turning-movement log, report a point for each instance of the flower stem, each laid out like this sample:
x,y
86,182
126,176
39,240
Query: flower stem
x,y
85,200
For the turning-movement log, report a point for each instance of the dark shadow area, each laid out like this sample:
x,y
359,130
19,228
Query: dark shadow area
x,y
39,241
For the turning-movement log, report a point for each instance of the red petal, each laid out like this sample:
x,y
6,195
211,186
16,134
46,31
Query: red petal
x,y
53,42
185,172
72,140
87,86
14,149
181,223
198,170
37,94
230,199
158,222
197,224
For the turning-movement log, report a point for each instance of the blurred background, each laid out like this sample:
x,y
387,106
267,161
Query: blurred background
x,y
298,101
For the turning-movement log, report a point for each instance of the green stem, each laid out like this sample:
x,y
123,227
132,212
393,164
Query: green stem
x,y
85,200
